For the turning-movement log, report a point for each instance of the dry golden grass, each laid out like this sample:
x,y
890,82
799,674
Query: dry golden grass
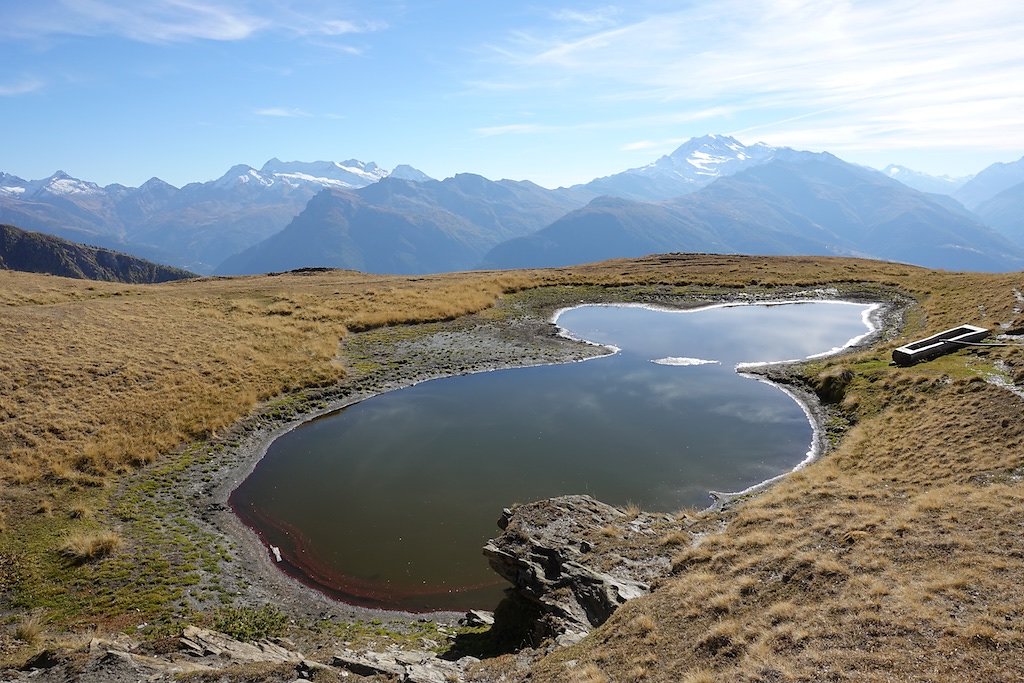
x,y
86,546
80,511
898,555
29,628
98,378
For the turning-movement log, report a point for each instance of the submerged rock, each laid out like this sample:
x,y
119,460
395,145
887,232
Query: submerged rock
x,y
572,556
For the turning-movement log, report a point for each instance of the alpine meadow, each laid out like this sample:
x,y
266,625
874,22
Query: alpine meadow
x,y
621,343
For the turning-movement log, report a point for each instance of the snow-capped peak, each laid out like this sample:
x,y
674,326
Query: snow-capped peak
x,y
407,172
346,174
60,183
703,159
242,174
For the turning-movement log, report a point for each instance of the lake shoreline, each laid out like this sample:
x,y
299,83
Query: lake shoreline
x,y
530,341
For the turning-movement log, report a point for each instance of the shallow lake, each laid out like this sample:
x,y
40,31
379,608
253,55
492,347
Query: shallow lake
x,y
387,503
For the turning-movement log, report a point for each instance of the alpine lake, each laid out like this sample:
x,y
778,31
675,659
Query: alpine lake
x,y
388,502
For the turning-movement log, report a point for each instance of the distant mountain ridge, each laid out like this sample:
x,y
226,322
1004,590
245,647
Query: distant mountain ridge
x,y
402,226
1005,213
257,220
798,203
196,226
34,252
924,182
990,182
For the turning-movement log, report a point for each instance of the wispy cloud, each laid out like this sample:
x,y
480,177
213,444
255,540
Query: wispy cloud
x,y
600,16
622,123
645,145
514,129
22,87
283,112
889,73
171,21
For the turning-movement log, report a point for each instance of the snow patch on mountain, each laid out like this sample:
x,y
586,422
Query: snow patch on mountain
x,y
298,179
349,174
61,183
702,160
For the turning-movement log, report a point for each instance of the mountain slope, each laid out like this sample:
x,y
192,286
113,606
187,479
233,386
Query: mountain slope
x,y
38,253
1005,213
401,226
340,229
990,182
799,203
693,165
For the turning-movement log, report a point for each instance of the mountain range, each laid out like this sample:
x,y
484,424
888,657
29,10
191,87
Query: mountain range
x,y
711,194
196,226
403,226
798,202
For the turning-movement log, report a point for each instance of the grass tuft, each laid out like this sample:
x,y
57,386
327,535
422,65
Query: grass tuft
x,y
88,546
250,623
29,629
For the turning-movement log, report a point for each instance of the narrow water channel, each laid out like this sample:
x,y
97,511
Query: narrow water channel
x,y
388,502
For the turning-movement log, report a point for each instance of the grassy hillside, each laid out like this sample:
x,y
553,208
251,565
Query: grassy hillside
x,y
899,552
35,252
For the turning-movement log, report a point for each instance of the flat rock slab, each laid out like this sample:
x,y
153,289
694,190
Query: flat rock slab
x,y
404,665
202,642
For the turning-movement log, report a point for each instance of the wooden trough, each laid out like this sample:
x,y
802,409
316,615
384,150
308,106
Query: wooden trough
x,y
946,341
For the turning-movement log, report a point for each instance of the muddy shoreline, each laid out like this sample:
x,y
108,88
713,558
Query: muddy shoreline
x,y
529,341
393,358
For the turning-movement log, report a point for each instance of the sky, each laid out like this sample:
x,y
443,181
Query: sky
x,y
557,93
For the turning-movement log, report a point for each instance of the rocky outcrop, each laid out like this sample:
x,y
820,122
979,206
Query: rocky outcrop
x,y
122,659
408,666
202,642
579,559
213,655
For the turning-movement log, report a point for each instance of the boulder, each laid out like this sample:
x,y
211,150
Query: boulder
x,y
570,555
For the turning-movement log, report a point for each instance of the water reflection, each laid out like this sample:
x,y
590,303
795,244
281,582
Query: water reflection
x,y
389,501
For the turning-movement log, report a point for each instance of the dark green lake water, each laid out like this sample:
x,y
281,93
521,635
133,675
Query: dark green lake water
x,y
388,502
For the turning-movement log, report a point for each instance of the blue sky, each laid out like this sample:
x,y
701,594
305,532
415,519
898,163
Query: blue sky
x,y
558,93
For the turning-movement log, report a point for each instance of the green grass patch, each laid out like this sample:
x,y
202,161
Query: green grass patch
x,y
250,623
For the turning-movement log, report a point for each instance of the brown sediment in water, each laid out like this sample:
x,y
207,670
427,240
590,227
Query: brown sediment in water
x,y
300,561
